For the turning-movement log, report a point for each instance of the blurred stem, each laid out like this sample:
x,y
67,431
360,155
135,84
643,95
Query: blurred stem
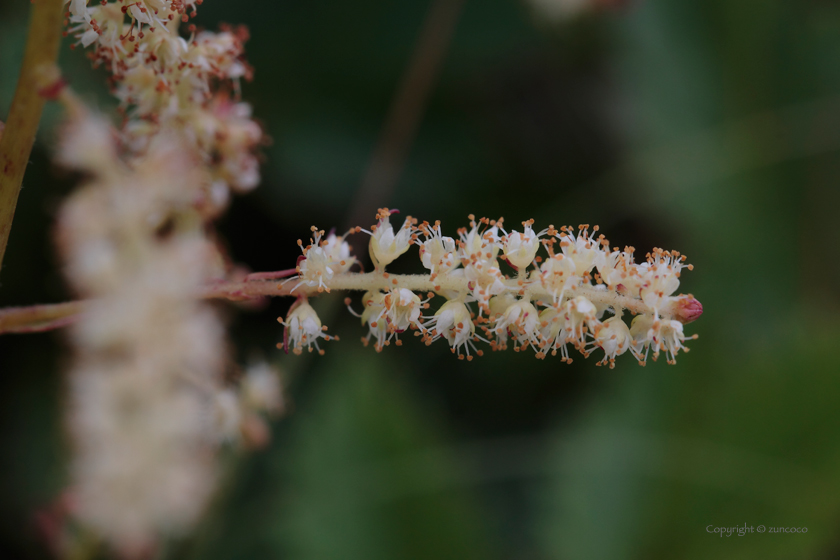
x,y
41,52
406,110
39,318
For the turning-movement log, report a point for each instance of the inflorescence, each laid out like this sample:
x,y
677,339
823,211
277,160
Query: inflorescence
x,y
574,295
167,81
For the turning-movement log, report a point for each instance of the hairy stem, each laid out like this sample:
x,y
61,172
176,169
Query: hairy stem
x,y
39,318
416,283
19,134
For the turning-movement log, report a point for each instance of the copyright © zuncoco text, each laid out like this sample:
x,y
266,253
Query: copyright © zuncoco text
x,y
750,529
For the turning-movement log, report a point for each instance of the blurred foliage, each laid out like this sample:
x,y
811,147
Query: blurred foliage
x,y
362,474
711,127
647,469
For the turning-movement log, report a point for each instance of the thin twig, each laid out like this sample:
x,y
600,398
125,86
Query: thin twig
x,y
19,134
40,318
406,110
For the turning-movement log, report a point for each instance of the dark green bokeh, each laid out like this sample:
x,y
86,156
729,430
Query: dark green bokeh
x,y
711,127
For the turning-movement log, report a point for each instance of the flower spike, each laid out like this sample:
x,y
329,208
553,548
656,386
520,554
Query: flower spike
x,y
572,296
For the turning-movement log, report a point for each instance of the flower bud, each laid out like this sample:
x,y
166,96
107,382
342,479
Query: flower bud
x,y
686,309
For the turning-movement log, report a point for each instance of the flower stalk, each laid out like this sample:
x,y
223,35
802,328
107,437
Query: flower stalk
x,y
33,88
40,318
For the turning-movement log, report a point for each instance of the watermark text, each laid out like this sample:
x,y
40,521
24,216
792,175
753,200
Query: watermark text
x,y
750,529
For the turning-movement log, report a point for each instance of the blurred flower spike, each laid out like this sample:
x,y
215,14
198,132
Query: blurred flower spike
x,y
164,80
150,398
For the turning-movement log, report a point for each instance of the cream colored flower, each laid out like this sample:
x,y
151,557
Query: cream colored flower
x,y
521,248
553,333
558,276
521,321
303,328
322,260
614,339
585,251
579,314
402,309
454,323
385,245
659,277
373,316
438,252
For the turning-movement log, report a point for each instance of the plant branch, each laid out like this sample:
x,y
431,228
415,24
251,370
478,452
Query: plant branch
x,y
39,59
40,318
406,110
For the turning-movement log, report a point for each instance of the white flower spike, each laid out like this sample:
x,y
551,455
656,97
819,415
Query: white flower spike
x,y
573,296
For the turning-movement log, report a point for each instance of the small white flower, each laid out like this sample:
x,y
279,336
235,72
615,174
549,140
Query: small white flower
x,y
521,248
78,8
402,309
454,323
659,277
303,328
669,338
485,281
614,339
437,253
227,137
385,245
553,333
579,313
521,320
557,275
481,243
373,317
643,333
582,249
389,314
496,308
660,335
323,259
618,271
499,304
338,253
89,37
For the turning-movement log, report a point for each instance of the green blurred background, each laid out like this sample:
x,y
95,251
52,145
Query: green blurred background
x,y
711,127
